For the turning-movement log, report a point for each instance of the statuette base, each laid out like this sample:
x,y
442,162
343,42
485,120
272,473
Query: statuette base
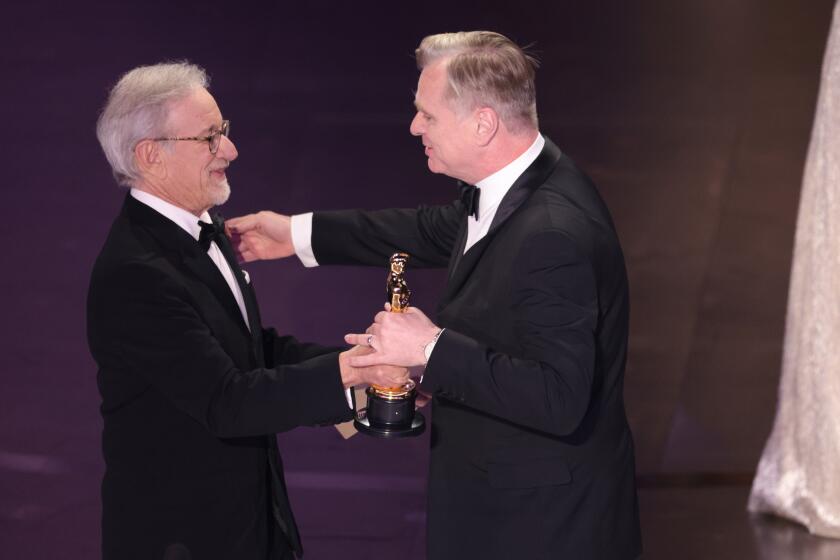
x,y
417,427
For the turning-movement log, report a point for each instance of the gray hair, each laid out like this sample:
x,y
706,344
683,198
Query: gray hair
x,y
486,68
138,108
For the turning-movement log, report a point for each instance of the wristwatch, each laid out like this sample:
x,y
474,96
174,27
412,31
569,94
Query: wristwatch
x,y
429,346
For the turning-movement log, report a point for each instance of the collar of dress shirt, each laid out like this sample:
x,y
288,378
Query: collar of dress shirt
x,y
186,220
495,187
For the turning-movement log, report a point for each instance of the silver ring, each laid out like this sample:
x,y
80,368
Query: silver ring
x,y
369,339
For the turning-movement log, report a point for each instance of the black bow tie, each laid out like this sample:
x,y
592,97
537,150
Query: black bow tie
x,y
469,196
211,232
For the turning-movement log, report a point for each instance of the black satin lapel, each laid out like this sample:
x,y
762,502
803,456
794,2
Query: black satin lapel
x,y
174,239
458,251
244,287
248,296
464,269
203,266
527,183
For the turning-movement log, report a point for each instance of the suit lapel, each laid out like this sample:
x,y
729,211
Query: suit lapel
x,y
461,265
458,252
526,184
244,287
247,290
203,267
173,239
464,269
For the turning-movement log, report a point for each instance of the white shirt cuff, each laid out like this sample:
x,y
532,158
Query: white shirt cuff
x,y
302,239
428,349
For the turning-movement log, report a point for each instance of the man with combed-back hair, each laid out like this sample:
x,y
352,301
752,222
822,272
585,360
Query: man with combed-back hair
x,y
531,453
193,387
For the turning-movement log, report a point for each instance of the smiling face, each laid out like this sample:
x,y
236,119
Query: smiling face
x,y
195,179
446,131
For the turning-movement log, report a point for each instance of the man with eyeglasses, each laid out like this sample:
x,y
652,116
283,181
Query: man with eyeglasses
x,y
193,387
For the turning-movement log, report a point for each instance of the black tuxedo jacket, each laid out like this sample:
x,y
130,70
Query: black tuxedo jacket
x,y
191,399
531,452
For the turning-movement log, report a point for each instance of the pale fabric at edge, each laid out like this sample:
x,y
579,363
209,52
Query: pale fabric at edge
x,y
798,476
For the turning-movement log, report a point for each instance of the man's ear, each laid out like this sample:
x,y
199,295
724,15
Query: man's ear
x,y
486,125
149,159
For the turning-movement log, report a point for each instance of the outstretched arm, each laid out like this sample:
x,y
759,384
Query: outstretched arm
x,y
349,236
175,351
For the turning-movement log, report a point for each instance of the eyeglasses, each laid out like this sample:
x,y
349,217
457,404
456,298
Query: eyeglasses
x,y
213,139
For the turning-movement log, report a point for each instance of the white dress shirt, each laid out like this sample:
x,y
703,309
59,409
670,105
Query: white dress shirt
x,y
493,190
189,223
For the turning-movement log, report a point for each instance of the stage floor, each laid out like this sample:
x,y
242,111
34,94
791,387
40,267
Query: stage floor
x,y
698,523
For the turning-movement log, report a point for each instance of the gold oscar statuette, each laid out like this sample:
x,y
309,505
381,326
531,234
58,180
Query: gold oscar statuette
x,y
390,411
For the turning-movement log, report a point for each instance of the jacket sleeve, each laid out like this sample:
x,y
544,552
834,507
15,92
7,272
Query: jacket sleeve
x,y
427,233
547,382
159,336
283,350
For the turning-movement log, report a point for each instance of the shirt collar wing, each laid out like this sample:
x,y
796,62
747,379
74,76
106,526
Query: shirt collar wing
x,y
182,218
495,187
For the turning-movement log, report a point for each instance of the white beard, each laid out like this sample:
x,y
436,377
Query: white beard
x,y
220,193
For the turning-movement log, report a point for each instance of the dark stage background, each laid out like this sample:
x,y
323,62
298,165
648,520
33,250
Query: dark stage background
x,y
692,117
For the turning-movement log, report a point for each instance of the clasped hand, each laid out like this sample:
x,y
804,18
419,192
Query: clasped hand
x,y
379,374
396,338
